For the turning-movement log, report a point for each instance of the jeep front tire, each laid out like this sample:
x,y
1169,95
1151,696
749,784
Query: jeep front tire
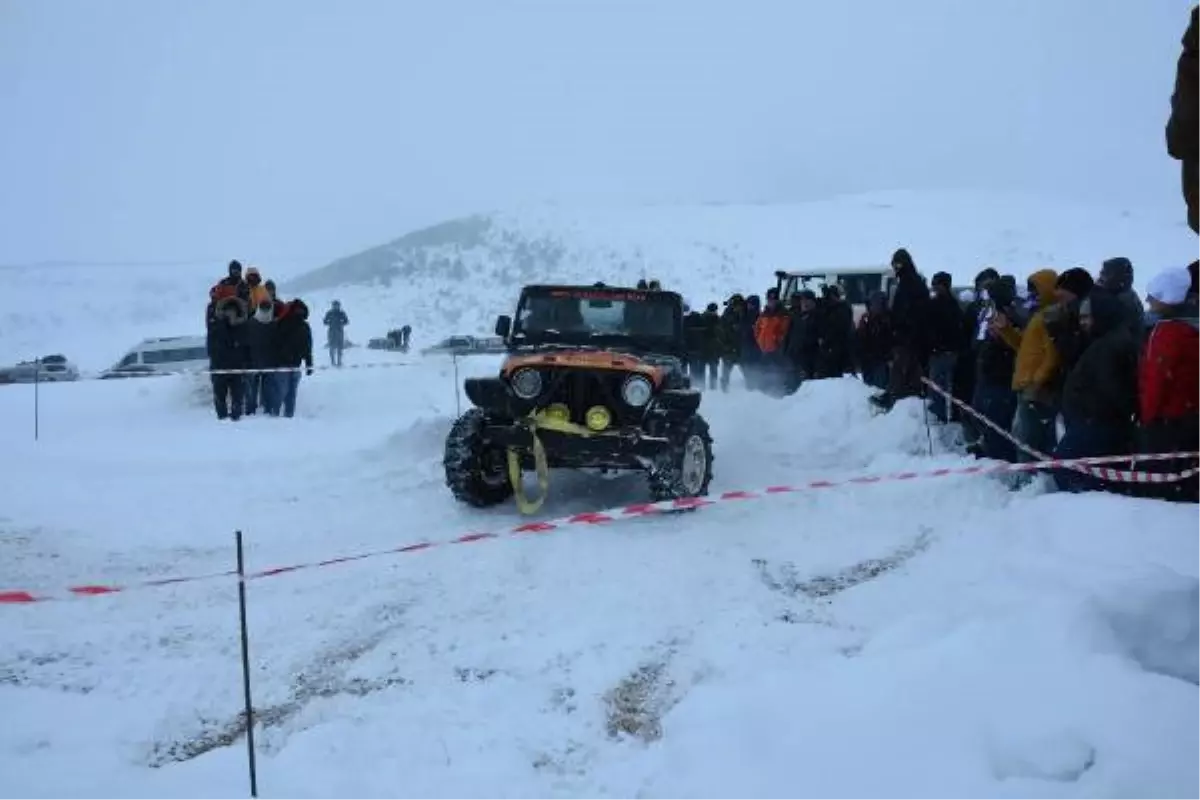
x,y
476,472
684,467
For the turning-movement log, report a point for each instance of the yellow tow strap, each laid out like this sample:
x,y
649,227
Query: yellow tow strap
x,y
541,468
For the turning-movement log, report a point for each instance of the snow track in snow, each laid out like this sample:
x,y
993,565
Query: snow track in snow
x,y
952,634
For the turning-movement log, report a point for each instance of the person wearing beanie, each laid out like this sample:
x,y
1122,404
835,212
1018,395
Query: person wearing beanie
x,y
231,285
974,332
729,336
1036,373
748,353
260,386
708,350
1073,285
256,291
835,333
909,310
1116,276
1181,131
994,363
770,332
1100,395
292,343
1062,319
1169,381
945,341
335,322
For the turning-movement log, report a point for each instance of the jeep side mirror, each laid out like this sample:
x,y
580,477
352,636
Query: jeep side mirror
x,y
503,326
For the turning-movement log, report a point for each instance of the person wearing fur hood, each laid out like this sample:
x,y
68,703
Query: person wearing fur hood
x,y
226,345
292,347
261,386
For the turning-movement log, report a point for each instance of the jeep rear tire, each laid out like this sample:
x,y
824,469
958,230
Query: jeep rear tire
x,y
684,468
476,472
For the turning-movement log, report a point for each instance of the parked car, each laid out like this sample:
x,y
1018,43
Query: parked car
x,y
466,346
166,354
48,369
132,371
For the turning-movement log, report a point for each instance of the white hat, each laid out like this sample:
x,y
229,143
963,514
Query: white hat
x,y
1170,287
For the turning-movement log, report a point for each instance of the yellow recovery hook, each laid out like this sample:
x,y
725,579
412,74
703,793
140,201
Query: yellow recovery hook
x,y
550,422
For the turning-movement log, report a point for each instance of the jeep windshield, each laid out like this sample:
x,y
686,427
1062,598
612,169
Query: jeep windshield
x,y
595,316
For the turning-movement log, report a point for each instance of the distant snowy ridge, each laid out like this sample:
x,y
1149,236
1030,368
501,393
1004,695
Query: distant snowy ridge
x,y
456,276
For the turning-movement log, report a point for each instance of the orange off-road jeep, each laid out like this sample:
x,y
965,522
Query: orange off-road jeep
x,y
594,378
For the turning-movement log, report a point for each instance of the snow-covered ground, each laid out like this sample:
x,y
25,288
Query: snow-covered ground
x,y
943,637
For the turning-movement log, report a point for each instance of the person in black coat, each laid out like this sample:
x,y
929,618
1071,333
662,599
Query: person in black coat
x,y
1062,319
974,332
909,312
873,342
1099,397
704,346
226,345
945,340
293,347
995,362
802,343
260,386
836,325
1183,142
749,355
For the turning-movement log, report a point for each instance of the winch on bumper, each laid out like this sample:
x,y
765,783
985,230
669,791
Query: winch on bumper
x,y
566,444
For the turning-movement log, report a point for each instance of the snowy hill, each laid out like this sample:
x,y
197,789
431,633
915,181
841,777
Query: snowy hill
x,y
457,276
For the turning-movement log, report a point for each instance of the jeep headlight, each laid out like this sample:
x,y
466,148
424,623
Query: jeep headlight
x,y
527,383
636,391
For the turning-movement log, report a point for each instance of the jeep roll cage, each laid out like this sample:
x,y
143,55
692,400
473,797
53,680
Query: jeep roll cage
x,y
597,316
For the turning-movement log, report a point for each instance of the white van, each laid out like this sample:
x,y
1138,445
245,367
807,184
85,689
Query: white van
x,y
167,354
856,283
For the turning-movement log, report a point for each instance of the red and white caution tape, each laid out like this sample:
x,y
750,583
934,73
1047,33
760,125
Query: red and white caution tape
x,y
273,370
588,519
1082,464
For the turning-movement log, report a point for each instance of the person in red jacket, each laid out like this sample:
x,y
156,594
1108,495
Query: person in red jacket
x,y
1169,382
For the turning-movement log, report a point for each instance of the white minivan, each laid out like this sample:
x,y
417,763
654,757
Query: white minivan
x,y
162,355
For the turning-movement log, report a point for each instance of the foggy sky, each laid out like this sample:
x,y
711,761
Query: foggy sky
x,y
296,130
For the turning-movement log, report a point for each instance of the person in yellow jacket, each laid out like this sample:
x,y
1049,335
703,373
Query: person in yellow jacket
x,y
1036,373
258,292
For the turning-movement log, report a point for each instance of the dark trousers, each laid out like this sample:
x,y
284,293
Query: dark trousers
x,y
260,391
726,371
1035,427
703,372
875,375
287,385
1084,439
228,395
997,403
941,372
905,378
1170,436
750,362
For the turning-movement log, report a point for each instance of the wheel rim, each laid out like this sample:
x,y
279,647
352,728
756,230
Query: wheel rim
x,y
694,465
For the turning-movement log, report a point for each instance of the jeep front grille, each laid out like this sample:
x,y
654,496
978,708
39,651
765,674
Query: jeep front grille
x,y
581,389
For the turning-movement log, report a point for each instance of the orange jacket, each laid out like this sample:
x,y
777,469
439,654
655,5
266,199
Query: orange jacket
x,y
770,329
259,295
